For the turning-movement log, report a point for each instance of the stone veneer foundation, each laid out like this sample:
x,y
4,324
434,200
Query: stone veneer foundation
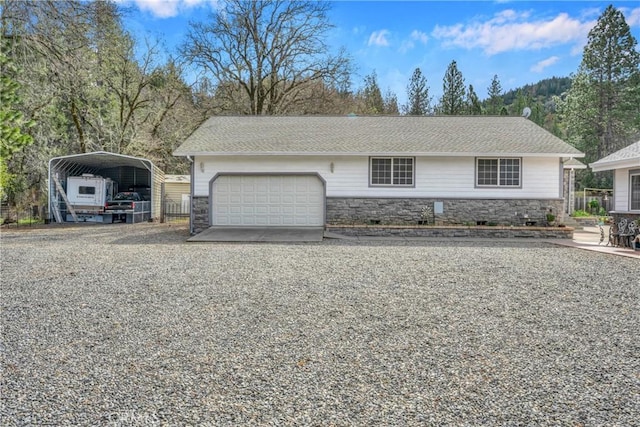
x,y
455,212
199,214
395,211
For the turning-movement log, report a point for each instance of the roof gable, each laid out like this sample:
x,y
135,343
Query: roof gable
x,y
371,135
626,157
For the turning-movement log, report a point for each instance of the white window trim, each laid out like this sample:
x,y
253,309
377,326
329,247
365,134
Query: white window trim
x,y
498,185
413,171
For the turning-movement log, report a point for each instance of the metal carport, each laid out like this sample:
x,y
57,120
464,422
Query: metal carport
x,y
131,174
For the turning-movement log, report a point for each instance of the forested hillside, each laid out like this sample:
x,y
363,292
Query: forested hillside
x,y
542,91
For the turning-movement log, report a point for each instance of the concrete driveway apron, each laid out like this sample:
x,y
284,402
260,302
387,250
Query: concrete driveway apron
x,y
259,234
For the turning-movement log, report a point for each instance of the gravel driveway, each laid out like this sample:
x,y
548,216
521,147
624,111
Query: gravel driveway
x,y
130,325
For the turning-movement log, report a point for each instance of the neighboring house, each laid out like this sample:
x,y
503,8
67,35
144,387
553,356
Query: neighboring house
x,y
625,165
312,171
176,192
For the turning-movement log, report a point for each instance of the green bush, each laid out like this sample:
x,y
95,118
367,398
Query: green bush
x,y
30,221
580,213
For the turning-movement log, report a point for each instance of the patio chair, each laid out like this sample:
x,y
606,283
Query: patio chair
x,y
615,231
628,235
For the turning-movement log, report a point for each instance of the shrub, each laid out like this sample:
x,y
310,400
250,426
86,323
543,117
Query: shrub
x,y
580,213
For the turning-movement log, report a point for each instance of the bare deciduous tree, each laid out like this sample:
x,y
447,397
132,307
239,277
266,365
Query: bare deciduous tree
x,y
272,50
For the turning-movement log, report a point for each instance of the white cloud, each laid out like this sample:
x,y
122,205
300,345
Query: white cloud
x,y
632,17
415,36
419,36
168,8
541,65
510,30
379,38
406,46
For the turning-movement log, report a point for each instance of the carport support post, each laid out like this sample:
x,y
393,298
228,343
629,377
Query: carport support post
x,y
162,203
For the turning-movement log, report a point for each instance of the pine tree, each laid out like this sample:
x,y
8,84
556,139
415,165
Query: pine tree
x,y
601,111
391,103
495,101
473,103
419,102
373,101
453,92
612,64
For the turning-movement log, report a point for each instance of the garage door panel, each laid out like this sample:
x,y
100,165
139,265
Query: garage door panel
x,y
268,200
288,199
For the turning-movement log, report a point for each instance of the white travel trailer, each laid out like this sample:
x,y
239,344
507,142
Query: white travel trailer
x,y
87,194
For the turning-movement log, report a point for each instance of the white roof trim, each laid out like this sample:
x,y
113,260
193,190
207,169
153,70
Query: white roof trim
x,y
391,154
600,166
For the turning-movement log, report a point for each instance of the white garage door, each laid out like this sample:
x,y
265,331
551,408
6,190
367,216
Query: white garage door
x,y
268,200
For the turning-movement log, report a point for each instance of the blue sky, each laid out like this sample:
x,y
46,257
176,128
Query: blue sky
x,y
520,41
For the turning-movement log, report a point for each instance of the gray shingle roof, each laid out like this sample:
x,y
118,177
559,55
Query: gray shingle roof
x,y
572,163
370,135
630,153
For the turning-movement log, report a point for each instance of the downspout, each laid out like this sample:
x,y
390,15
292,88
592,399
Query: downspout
x,y
191,187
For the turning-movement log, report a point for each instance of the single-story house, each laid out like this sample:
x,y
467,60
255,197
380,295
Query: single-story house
x,y
625,165
313,170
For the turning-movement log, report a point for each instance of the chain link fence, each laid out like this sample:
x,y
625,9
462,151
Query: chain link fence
x,y
12,216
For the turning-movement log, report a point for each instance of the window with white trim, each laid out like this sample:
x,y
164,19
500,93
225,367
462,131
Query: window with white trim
x,y
498,172
634,191
391,171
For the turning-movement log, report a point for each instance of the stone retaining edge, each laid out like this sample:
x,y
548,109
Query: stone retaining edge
x,y
453,231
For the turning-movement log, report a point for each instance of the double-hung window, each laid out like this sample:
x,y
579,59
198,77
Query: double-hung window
x,y
498,172
391,171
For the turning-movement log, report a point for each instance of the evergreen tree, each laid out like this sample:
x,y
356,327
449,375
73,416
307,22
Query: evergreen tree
x,y
473,103
601,111
519,104
419,102
495,101
372,96
13,125
612,63
453,92
391,103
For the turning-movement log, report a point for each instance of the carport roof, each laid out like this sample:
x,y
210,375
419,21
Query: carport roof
x,y
103,159
374,135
